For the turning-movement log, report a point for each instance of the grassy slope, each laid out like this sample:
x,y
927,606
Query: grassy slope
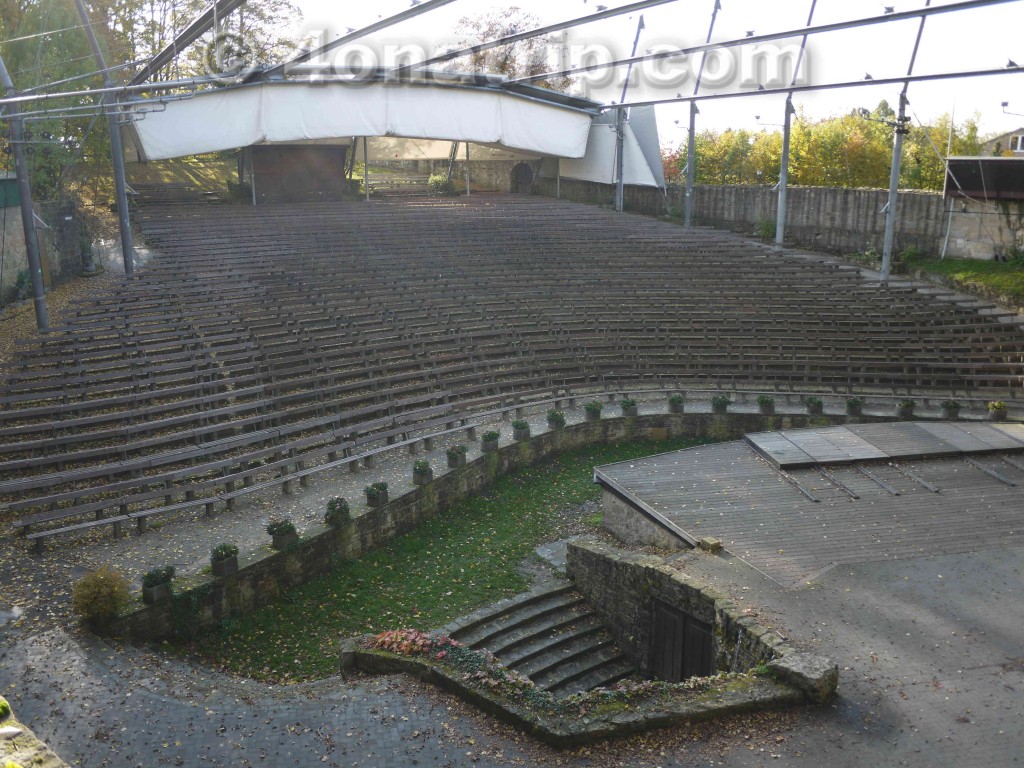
x,y
995,278
463,559
207,172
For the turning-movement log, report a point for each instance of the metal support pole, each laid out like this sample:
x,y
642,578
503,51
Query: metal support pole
x,y
900,131
252,176
366,169
116,150
467,169
620,145
28,216
558,178
691,165
780,214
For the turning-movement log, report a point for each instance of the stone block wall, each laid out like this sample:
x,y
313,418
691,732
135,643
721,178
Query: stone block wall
x,y
623,586
832,220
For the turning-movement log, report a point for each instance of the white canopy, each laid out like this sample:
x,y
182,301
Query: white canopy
x,y
641,152
288,111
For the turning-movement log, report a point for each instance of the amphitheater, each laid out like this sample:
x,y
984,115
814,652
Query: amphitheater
x,y
263,349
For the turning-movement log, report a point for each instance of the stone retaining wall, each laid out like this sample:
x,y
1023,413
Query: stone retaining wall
x,y
202,603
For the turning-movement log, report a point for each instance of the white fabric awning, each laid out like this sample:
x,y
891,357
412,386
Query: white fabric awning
x,y
230,118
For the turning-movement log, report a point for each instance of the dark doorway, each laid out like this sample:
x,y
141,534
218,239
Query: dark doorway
x,y
681,647
522,179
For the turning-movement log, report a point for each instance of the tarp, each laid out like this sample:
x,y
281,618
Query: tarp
x,y
598,163
231,118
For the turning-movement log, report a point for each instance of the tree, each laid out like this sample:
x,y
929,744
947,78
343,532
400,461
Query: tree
x,y
520,59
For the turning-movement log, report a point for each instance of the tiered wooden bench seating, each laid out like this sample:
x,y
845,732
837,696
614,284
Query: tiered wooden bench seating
x,y
262,346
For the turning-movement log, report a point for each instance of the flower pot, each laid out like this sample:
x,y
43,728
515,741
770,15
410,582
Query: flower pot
x,y
158,595
677,407
225,567
378,500
766,409
521,434
950,413
422,478
456,460
631,411
997,415
553,425
720,408
854,410
592,415
282,541
815,409
905,411
489,446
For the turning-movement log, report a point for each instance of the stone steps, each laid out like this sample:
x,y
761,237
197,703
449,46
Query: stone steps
x,y
551,636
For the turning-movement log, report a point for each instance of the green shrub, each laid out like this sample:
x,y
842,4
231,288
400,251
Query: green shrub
x,y
376,490
556,418
996,405
223,552
814,401
952,405
158,576
676,399
280,527
456,451
5,709
766,229
520,424
100,595
905,403
22,285
439,184
491,436
854,402
421,466
627,402
720,400
594,408
338,512
765,400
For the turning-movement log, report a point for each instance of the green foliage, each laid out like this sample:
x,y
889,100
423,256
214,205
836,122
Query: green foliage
x,y
996,405
376,490
157,576
721,400
440,184
906,403
813,401
841,151
520,424
676,399
464,558
421,466
765,400
5,708
854,402
594,408
456,451
951,405
223,552
766,229
100,595
627,402
556,418
1003,278
338,512
280,527
490,436
22,285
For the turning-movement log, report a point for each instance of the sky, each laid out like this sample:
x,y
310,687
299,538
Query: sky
x,y
981,38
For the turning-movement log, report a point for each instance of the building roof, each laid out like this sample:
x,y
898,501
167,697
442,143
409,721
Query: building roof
x,y
796,503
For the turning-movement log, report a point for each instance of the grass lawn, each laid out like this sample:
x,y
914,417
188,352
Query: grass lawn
x,y
463,559
1005,278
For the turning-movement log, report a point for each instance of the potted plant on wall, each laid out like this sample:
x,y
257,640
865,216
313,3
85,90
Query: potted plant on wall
x,y
676,403
489,441
457,456
224,560
520,429
338,512
854,406
765,405
997,410
950,409
629,407
421,472
593,410
815,406
720,404
376,494
556,419
156,585
905,408
283,533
